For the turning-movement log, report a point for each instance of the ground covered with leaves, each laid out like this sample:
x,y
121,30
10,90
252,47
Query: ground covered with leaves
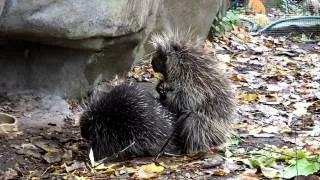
x,y
277,80
277,129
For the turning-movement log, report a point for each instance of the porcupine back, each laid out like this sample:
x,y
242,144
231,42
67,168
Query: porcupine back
x,y
126,114
196,86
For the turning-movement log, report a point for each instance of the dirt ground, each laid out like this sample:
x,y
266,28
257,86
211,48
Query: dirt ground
x,y
278,101
40,148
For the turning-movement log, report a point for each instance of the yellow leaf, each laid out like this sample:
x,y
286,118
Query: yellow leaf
x,y
106,168
241,36
157,75
249,96
152,168
131,170
47,148
219,172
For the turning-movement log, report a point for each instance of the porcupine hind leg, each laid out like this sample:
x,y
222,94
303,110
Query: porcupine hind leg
x,y
195,135
183,116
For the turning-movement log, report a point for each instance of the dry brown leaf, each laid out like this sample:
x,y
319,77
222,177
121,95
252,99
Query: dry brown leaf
x,y
238,77
272,97
314,107
219,172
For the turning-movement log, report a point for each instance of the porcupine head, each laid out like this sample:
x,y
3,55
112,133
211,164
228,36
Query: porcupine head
x,y
170,47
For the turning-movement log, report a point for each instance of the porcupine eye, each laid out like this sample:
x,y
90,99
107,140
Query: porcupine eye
x,y
175,48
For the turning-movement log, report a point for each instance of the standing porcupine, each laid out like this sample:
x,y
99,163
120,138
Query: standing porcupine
x,y
194,87
115,119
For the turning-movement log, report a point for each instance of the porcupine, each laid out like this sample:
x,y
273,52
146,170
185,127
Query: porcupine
x,y
193,86
114,119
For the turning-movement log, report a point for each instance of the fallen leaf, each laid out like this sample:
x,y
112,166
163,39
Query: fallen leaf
x,y
271,172
301,167
271,129
74,166
249,96
272,97
249,174
238,77
219,172
255,131
314,107
157,75
152,168
53,157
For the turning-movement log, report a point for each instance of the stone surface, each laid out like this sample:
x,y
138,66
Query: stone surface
x,y
59,71
1,6
64,47
52,50
78,24
182,14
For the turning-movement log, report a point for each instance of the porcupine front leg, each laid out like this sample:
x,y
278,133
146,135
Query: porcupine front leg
x,y
163,88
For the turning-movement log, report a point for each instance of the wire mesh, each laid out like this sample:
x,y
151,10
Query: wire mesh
x,y
279,17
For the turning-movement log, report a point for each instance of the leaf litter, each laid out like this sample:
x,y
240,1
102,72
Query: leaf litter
x,y
277,82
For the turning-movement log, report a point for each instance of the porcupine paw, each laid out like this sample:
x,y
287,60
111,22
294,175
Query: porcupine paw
x,y
163,88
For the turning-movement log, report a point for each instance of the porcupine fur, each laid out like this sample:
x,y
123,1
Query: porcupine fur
x,y
127,113
193,84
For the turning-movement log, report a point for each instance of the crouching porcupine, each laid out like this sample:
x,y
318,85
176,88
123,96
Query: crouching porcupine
x,y
194,87
115,119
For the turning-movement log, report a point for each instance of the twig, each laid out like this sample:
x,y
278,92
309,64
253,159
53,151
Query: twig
x,y
115,155
20,172
45,171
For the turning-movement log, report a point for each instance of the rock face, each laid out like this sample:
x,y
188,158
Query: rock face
x,y
63,47
76,24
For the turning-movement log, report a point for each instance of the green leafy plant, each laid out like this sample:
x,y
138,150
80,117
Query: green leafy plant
x,y
226,23
280,163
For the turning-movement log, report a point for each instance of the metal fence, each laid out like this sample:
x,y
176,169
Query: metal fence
x,y
279,17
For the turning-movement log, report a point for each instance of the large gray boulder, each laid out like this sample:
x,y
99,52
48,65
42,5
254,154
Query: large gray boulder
x,y
75,24
63,47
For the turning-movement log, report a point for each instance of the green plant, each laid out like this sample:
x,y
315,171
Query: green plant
x,y
226,23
